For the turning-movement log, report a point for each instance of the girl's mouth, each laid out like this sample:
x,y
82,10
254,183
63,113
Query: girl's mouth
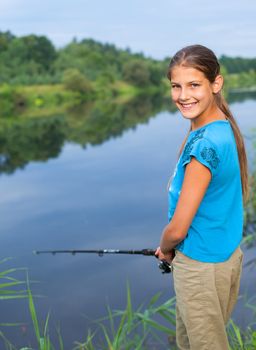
x,y
187,106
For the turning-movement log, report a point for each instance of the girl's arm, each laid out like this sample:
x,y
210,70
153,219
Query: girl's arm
x,y
196,180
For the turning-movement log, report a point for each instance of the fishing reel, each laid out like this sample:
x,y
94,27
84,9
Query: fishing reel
x,y
164,266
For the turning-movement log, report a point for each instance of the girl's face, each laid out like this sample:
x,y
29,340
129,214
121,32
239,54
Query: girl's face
x,y
193,94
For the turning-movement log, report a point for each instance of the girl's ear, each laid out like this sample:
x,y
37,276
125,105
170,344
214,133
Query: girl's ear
x,y
217,84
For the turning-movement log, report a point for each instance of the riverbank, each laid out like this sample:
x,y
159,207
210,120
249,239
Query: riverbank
x,y
75,90
42,100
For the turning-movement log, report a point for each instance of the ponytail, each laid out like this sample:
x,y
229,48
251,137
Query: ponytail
x,y
222,104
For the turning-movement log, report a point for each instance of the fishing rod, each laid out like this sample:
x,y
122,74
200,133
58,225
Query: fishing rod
x,y
163,265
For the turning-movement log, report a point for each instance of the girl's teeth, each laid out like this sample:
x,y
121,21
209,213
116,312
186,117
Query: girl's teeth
x,y
188,105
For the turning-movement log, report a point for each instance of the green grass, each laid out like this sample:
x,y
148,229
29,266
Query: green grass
x,y
133,329
8,284
146,327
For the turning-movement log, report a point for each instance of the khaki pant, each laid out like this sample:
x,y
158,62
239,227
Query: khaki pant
x,y
206,295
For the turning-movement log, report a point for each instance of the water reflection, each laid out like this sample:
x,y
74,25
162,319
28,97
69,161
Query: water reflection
x,y
30,140
241,96
23,140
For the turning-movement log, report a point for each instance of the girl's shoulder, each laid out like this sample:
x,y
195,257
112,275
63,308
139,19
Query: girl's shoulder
x,y
209,144
218,133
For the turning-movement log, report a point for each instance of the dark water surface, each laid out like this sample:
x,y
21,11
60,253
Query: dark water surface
x,y
108,195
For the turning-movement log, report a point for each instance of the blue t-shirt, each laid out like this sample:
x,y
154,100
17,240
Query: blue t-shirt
x,y
216,229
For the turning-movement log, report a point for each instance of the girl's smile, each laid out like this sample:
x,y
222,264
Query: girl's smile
x,y
194,95
187,106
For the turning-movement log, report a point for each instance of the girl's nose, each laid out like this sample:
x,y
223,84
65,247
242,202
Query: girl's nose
x,y
183,94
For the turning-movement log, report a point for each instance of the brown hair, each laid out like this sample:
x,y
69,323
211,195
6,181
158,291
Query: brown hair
x,y
204,60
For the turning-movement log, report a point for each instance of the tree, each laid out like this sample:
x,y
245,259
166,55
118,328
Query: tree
x,y
39,49
31,55
137,73
5,39
74,80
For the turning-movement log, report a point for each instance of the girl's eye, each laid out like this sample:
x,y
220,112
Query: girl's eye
x,y
174,86
194,85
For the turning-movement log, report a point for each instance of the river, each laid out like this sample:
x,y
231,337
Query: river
x,y
94,181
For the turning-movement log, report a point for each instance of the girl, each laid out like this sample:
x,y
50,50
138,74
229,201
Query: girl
x,y
206,195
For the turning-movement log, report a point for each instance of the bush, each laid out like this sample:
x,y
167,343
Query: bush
x,y
11,100
75,81
136,73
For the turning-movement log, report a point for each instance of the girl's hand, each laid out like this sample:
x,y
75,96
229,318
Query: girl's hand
x,y
161,256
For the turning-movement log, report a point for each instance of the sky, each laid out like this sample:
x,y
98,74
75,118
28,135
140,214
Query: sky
x,y
158,28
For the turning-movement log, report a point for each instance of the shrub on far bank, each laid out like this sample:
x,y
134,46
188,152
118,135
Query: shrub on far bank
x,y
75,81
11,100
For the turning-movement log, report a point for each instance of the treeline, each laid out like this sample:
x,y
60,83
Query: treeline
x,y
33,59
238,64
35,76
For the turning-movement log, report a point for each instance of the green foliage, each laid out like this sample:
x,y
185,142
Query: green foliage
x,y
5,39
75,81
241,81
157,72
128,329
241,340
39,49
11,100
37,100
134,329
90,69
33,60
88,344
25,58
8,284
238,64
10,289
91,58
136,73
42,337
143,73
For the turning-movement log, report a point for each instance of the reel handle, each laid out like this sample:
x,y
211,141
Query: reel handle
x,y
165,267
